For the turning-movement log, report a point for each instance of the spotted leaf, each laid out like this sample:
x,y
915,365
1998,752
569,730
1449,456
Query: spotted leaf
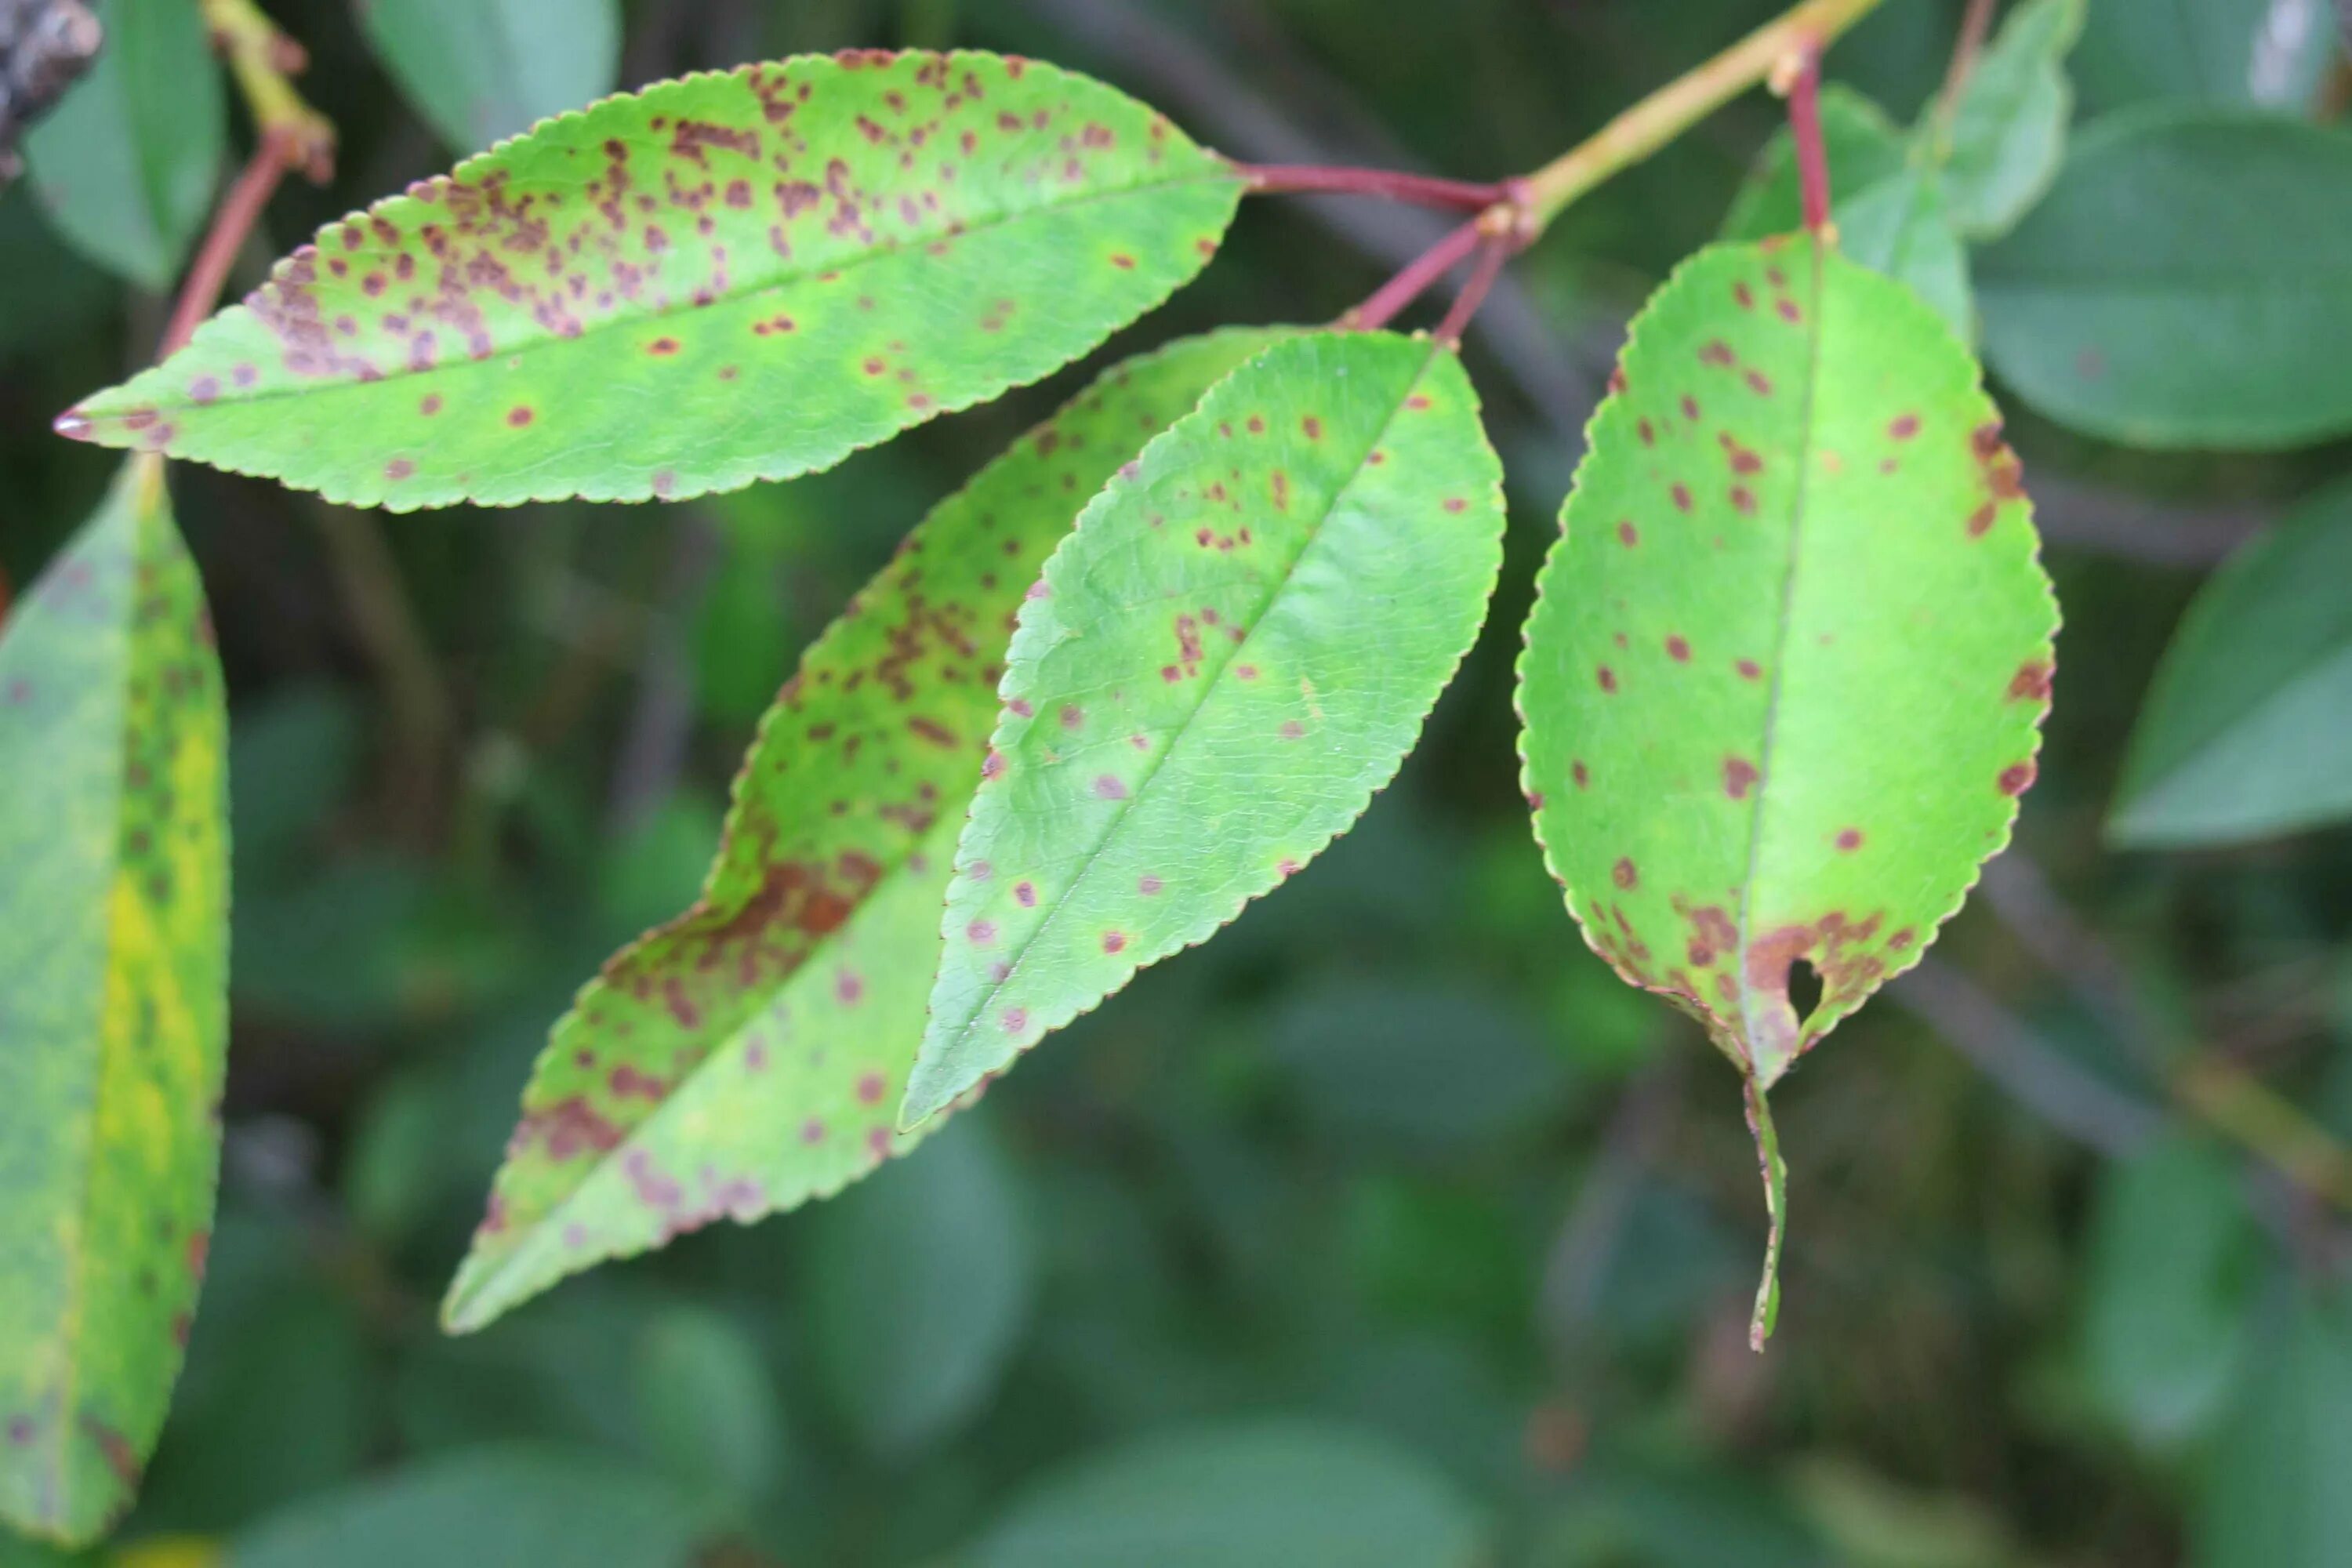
x,y
113,1005
723,279
748,1056
1784,682
1232,651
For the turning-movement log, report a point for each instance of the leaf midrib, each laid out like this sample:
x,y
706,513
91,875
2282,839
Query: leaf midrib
x,y
1137,792
1217,169
1765,768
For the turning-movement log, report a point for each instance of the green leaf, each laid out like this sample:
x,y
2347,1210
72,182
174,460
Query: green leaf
x,y
1272,1494
2273,1494
2271,53
1891,212
2188,282
127,163
746,1057
2169,1287
918,1285
113,1003
728,277
2009,131
1783,682
707,1402
1234,648
2243,734
483,70
485,1507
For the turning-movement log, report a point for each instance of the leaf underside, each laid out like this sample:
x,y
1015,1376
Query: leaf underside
x,y
749,1056
1231,653
113,1005
728,277
1784,681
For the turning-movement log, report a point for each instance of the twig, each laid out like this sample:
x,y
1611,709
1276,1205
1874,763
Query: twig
x,y
1658,119
1965,51
1414,280
1493,249
1396,185
1805,130
261,58
239,211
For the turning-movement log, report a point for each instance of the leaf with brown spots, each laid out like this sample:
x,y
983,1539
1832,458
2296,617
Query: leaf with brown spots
x,y
732,277
749,1055
1236,647
1825,680
113,1005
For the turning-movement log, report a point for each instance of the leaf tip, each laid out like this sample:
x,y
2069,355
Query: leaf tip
x,y
73,425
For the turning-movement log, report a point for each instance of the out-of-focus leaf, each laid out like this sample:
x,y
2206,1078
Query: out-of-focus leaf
x,y
758,1044
2271,53
1422,1069
707,1402
638,301
1232,652
2274,1493
919,1287
113,1003
2186,282
1891,211
1871,1522
2170,1272
483,70
485,1507
127,163
72,299
1620,1509
1784,683
2009,131
2245,731
1263,1495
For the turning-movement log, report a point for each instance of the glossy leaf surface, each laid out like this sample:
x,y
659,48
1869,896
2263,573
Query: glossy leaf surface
x,y
127,162
2188,282
1232,651
2009,131
113,1003
723,279
749,1056
2246,734
482,70
1784,681
1262,1495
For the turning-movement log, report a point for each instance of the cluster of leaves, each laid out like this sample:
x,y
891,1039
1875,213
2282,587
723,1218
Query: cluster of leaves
x,y
1781,690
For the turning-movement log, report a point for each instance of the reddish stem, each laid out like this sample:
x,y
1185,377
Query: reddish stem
x,y
1492,254
1415,277
1805,125
1421,190
239,210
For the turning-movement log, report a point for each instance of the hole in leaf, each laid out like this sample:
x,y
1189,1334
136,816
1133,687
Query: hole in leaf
x,y
1804,989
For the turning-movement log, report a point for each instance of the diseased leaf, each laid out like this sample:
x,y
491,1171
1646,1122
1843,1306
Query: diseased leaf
x,y
2268,53
748,1056
1891,211
113,1003
1269,1494
918,1287
2244,734
723,279
1783,683
126,163
482,70
2188,282
1234,648
2010,129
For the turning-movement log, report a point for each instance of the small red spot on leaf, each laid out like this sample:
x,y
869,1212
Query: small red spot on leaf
x,y
1739,776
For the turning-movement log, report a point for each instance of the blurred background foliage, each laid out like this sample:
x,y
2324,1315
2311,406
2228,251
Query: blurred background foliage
x,y
1390,1230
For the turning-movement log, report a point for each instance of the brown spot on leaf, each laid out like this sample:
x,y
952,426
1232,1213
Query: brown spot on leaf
x,y
1739,776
